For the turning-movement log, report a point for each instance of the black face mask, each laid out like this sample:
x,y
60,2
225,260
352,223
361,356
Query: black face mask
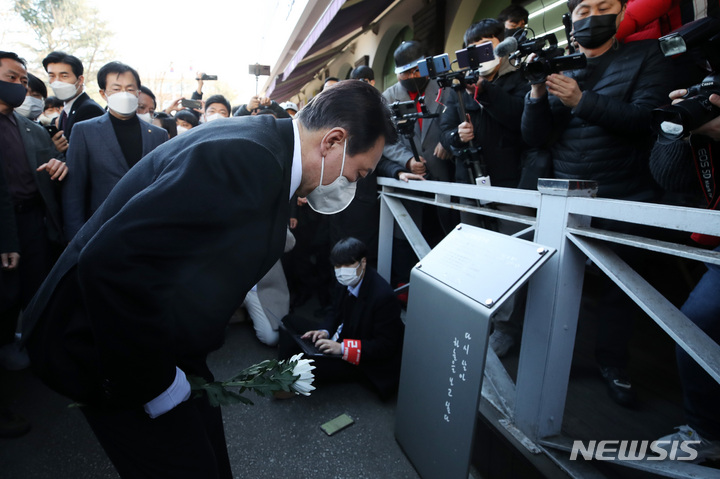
x,y
415,84
12,94
595,30
510,32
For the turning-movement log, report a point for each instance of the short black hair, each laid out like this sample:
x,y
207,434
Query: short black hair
x,y
53,102
117,68
149,93
37,85
514,13
13,56
348,251
168,123
188,116
363,72
355,106
62,57
218,99
572,4
486,28
335,79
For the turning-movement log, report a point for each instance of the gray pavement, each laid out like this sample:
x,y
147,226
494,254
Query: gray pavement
x,y
272,439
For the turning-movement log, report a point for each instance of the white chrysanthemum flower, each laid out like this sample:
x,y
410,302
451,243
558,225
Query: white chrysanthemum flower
x,y
303,368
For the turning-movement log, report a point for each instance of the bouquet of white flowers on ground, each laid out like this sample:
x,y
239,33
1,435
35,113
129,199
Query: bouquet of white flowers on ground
x,y
265,378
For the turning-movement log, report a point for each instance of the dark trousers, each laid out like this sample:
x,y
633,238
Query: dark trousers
x,y
701,393
187,442
615,311
17,287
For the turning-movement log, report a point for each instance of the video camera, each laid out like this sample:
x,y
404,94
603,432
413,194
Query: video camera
x,y
404,115
700,37
549,58
468,59
440,68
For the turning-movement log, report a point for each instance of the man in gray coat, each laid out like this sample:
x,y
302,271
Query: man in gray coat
x,y
104,148
434,162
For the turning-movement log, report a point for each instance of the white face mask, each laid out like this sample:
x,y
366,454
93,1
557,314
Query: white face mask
x,y
181,129
146,117
123,103
46,120
488,67
31,107
213,117
348,276
63,91
335,197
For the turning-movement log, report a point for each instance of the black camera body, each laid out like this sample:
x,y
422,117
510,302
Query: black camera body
x,y
702,37
538,70
677,121
549,58
405,114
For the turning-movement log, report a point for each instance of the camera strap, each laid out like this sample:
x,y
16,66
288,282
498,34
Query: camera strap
x,y
701,147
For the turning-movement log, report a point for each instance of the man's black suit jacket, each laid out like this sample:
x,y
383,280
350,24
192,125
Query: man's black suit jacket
x,y
82,109
39,149
374,319
153,277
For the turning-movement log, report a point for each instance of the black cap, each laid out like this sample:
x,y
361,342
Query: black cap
x,y
407,56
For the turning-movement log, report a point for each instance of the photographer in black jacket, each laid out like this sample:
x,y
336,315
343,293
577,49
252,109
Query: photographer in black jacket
x,y
596,122
494,106
494,109
677,167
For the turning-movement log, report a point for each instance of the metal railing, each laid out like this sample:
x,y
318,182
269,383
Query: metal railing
x,y
533,407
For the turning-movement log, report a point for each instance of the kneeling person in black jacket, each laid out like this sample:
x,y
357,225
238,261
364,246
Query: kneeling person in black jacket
x,y
363,333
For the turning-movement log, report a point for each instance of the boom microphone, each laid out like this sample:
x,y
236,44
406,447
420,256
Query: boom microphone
x,y
506,47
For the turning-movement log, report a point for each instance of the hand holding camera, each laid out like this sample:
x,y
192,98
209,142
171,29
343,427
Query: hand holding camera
x,y
710,128
565,88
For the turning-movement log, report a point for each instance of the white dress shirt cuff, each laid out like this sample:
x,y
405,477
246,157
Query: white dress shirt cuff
x,y
178,392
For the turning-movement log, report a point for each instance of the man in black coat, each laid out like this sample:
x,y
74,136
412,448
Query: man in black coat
x,y
363,332
145,289
30,223
596,123
65,73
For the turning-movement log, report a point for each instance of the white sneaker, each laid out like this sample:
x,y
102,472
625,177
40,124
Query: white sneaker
x,y
501,343
13,358
705,449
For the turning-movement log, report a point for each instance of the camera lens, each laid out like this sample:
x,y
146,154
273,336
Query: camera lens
x,y
677,121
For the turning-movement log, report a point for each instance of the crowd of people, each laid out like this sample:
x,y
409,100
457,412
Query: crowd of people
x,y
82,183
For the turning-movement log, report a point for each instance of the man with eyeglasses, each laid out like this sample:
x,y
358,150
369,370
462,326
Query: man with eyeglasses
x,y
103,149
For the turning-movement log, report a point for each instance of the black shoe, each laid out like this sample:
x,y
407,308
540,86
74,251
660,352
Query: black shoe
x,y
618,385
12,425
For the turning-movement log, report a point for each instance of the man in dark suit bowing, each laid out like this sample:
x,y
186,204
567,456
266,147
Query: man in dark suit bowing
x,y
103,149
65,73
145,289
